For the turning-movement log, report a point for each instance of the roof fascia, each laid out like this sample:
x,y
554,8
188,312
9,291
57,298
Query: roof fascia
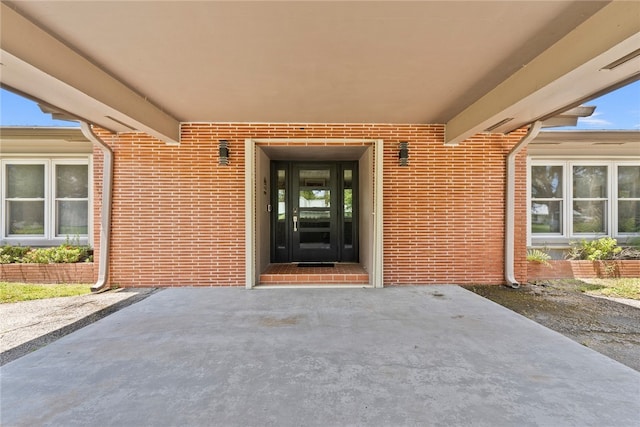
x,y
600,136
44,132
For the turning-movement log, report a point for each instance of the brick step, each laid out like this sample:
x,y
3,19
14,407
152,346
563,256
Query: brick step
x,y
291,274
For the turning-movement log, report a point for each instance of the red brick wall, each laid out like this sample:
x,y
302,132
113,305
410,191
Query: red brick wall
x,y
82,272
566,269
178,217
444,213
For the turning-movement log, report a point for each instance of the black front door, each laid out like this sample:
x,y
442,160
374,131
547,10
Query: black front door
x,y
313,208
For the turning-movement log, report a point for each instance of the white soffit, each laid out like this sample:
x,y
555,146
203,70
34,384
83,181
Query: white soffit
x,y
609,143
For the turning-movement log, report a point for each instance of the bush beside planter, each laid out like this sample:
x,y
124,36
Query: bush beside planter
x,y
574,269
82,272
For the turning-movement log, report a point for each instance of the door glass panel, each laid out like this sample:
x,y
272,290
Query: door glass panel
x,y
315,178
315,219
348,208
315,240
315,198
314,188
281,210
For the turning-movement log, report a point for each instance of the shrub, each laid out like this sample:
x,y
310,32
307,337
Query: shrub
x,y
605,248
536,255
64,253
11,254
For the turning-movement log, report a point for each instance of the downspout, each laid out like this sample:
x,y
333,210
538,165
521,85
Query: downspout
x,y
510,202
105,212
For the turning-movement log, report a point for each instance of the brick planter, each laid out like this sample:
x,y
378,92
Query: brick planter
x,y
82,272
565,269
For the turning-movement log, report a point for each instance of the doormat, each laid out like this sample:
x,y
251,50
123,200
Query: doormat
x,y
316,264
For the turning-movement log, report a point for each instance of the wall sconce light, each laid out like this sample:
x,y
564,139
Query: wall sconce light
x,y
223,152
403,154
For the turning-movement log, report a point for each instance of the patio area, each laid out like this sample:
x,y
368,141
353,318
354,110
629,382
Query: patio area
x,y
429,355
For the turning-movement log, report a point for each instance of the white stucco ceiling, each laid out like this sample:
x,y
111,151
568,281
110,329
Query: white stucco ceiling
x,y
150,65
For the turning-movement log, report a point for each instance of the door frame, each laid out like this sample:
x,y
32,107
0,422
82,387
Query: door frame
x,y
251,209
337,225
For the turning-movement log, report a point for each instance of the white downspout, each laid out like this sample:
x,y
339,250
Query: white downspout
x,y
510,202
105,213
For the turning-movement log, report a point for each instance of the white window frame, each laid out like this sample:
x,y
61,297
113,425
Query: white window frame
x,y
617,199
49,237
608,200
565,190
54,190
568,235
5,199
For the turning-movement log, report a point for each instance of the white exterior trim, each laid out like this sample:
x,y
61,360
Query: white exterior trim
x,y
249,212
49,161
251,279
568,162
378,235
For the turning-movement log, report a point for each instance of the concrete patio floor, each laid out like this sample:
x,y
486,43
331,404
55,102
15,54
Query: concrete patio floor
x,y
432,355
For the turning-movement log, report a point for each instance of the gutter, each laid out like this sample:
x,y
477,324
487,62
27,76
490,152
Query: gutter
x,y
105,213
510,197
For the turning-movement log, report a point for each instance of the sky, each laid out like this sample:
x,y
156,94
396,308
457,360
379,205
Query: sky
x,y
619,110
18,111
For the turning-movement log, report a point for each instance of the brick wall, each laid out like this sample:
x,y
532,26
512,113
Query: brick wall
x,y
444,214
178,217
579,269
83,272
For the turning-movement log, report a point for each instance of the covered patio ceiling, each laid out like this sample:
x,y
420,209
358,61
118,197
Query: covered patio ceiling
x,y
474,66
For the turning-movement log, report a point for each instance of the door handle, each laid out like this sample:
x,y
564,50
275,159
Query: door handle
x,y
295,219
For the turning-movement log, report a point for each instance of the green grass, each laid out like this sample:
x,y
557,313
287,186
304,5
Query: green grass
x,y
15,292
618,288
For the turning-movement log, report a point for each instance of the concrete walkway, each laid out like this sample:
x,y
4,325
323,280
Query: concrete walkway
x,y
428,356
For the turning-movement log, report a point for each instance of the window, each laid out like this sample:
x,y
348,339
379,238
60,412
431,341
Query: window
x,y
629,199
72,200
590,195
576,199
25,199
45,199
546,199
